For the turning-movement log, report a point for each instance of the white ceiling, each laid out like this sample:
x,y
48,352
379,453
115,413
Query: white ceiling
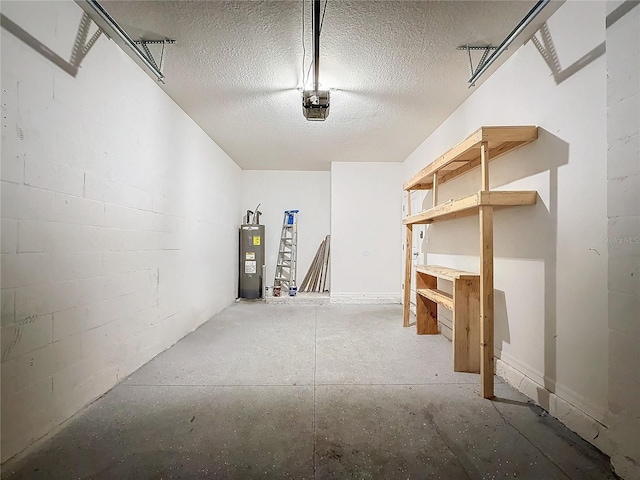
x,y
394,65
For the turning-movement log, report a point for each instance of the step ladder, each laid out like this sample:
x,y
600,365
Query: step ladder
x,y
287,254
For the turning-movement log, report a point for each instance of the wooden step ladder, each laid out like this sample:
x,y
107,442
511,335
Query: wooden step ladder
x,y
286,265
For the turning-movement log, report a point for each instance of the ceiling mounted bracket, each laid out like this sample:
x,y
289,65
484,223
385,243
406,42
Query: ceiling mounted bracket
x,y
145,47
486,49
315,103
115,32
521,27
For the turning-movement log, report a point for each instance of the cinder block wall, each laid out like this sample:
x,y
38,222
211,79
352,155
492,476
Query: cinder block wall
x,y
119,222
623,236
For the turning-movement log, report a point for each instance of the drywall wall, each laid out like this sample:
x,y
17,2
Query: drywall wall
x,y
365,233
119,221
551,332
278,191
623,236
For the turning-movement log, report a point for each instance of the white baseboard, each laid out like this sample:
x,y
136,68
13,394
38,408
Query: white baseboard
x,y
365,298
589,428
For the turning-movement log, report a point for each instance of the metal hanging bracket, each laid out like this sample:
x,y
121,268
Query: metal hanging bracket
x,y
144,44
485,63
111,29
486,49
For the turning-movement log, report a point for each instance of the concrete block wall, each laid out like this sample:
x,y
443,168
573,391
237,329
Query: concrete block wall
x,y
623,236
119,223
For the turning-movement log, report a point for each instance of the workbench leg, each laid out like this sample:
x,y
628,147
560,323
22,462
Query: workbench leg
x,y
466,326
486,302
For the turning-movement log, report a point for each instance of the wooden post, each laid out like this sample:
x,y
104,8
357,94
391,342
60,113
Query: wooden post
x,y
486,301
408,250
466,328
487,368
408,246
484,165
434,189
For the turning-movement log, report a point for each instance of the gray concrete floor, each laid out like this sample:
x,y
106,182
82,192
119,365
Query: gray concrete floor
x,y
301,392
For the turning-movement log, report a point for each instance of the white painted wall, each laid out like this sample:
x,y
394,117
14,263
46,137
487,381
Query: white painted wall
x,y
365,232
551,260
119,223
623,237
278,191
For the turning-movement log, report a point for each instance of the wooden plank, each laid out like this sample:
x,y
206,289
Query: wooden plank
x,y
426,309
484,166
501,198
468,151
423,281
444,209
444,159
446,273
523,133
305,281
468,205
455,215
426,316
453,166
420,186
473,307
406,305
319,271
438,296
326,264
316,265
486,302
494,152
316,273
466,325
423,176
320,265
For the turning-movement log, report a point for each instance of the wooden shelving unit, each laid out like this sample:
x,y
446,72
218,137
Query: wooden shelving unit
x,y
477,150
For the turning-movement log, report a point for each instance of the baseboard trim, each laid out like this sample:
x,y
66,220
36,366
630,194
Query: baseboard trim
x,y
365,298
589,428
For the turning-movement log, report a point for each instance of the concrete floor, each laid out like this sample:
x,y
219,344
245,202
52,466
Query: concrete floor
x,y
301,392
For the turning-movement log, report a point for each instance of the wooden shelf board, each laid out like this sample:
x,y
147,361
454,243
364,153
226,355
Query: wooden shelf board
x,y
466,155
469,205
438,296
446,273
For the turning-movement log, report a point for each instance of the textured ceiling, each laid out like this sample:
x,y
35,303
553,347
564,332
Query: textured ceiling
x,y
394,65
